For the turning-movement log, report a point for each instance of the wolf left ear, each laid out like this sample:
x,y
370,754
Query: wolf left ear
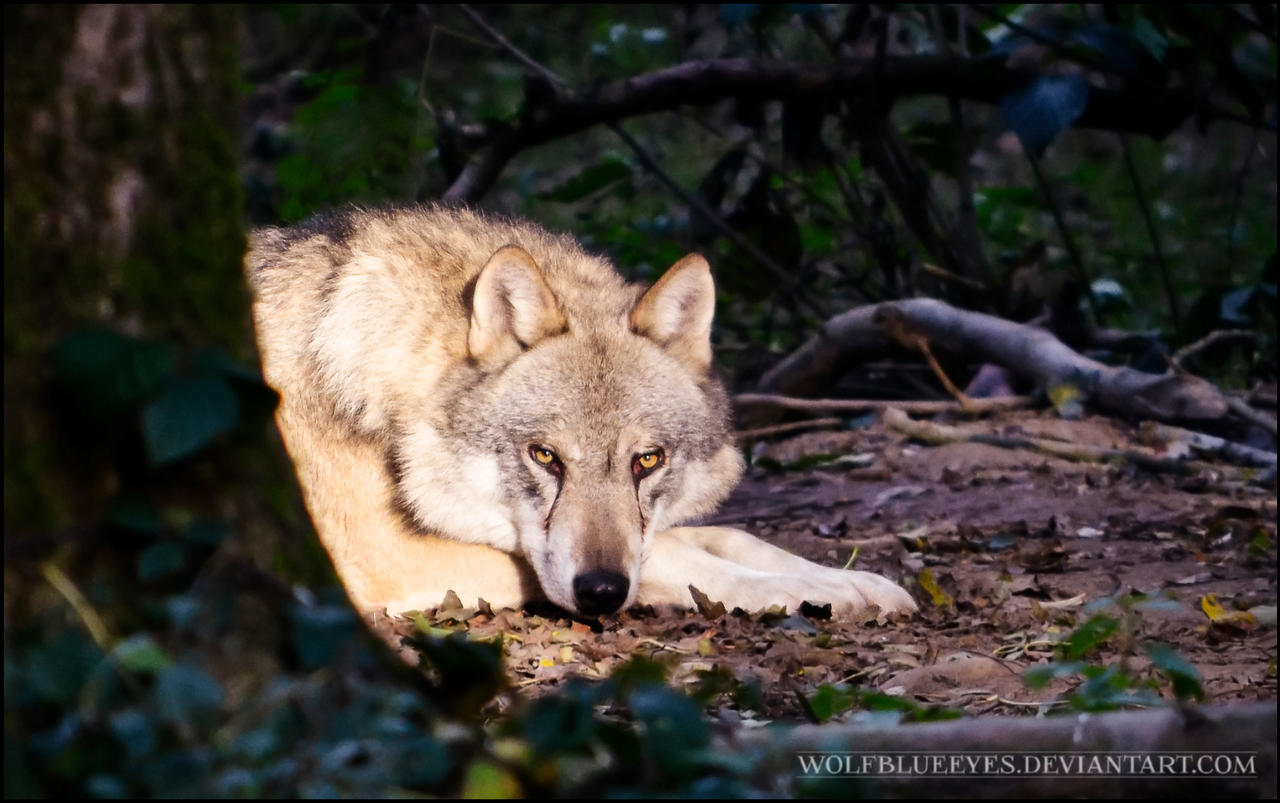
x,y
512,307
676,312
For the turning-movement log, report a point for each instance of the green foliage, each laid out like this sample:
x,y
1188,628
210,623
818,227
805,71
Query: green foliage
x,y
110,379
353,142
590,180
629,735
829,702
1116,685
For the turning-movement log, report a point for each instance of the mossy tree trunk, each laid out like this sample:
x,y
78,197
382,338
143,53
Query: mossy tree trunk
x,y
122,210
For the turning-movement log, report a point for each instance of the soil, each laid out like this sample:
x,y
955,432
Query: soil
x,y
1008,552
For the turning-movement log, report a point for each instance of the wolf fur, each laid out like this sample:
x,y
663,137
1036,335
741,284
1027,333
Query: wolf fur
x,y
475,404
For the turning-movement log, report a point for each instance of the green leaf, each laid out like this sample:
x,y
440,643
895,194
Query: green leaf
x,y
673,730
139,653
1037,677
1181,673
588,181
1038,111
424,762
1093,633
1067,399
109,372
207,532
189,414
561,724
160,559
136,514
106,787
185,693
320,632
1150,38
829,700
136,731
488,781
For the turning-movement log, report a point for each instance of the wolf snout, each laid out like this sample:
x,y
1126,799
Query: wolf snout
x,y
600,591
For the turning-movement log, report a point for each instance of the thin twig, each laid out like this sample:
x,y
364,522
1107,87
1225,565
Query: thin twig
x,y
966,222
931,432
956,393
697,205
1237,193
1190,352
650,164
1082,273
64,586
782,429
1156,434
1141,197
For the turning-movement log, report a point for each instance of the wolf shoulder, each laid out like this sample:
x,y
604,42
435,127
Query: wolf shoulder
x,y
371,307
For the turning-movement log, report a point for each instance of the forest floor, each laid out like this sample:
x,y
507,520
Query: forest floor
x,y
1008,553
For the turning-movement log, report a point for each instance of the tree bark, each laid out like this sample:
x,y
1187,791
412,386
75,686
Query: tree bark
x,y
122,210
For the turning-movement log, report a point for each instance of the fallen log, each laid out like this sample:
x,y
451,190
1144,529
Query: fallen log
x,y
1033,353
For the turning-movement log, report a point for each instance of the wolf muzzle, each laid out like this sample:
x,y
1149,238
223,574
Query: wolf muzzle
x,y
600,591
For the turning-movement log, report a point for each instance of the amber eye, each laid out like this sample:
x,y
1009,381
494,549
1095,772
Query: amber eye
x,y
642,464
543,455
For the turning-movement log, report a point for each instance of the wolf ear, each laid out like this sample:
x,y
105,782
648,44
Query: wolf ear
x,y
676,312
512,307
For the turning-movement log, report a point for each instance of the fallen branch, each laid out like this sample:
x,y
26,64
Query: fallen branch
x,y
1026,350
782,429
1194,350
854,406
1242,409
931,432
1184,439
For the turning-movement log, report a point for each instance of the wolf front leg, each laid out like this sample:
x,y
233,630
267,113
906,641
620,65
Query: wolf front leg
x,y
383,560
740,570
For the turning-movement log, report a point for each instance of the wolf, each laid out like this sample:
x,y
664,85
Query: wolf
x,y
474,404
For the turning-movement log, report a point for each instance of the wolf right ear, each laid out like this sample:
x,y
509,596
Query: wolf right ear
x,y
676,312
512,307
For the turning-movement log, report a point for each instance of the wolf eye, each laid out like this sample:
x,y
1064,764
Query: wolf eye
x,y
643,464
543,456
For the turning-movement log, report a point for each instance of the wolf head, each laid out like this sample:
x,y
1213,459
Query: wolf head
x,y
576,430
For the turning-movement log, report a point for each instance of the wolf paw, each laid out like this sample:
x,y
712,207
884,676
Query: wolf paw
x,y
882,592
848,593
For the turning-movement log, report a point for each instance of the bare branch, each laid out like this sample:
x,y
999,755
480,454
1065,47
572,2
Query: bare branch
x,y
783,429
1154,113
935,433
650,164
1191,351
852,406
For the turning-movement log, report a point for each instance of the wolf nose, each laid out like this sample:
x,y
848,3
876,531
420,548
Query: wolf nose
x,y
600,591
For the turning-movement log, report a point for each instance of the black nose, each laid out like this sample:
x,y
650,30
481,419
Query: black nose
x,y
600,591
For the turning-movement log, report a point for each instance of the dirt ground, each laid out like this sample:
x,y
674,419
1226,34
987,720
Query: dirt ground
x,y
1007,552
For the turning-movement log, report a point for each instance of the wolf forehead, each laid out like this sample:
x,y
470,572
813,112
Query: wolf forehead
x,y
595,392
